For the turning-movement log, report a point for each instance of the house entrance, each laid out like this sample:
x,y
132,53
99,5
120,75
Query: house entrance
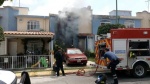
x,y
34,47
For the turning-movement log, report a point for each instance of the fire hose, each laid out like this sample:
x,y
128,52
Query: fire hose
x,y
81,72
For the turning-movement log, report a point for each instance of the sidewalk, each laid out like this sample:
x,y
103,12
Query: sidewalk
x,y
48,71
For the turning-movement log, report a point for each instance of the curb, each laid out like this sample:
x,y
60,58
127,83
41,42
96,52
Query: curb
x,y
50,72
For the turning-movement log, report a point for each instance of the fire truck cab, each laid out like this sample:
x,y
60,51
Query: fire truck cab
x,y
131,45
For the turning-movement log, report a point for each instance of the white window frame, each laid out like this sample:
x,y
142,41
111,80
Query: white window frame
x,y
33,25
129,24
105,22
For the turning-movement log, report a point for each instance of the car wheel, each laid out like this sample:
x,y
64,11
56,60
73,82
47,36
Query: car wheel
x,y
139,70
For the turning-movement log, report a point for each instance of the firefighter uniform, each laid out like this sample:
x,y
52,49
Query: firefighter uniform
x,y
114,61
59,62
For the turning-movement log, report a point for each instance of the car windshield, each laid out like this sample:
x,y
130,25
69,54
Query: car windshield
x,y
74,51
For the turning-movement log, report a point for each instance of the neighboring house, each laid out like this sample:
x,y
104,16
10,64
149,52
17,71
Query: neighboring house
x,y
73,28
124,18
8,20
25,32
145,22
121,13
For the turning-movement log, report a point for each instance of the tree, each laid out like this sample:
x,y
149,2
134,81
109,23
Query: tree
x,y
1,34
104,29
1,29
2,1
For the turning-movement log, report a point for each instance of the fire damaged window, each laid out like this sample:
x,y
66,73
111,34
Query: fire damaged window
x,y
33,25
139,48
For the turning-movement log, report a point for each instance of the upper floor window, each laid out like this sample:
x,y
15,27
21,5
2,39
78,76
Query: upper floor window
x,y
129,24
33,25
103,22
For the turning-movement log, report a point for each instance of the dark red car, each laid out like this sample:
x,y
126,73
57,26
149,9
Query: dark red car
x,y
75,56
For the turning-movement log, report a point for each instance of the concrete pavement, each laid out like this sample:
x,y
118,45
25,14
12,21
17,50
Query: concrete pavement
x,y
73,79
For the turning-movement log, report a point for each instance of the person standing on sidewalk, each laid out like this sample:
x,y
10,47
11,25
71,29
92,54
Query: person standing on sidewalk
x,y
59,61
114,61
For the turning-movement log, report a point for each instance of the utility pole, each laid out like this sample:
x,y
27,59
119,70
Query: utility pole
x,y
19,3
148,4
116,12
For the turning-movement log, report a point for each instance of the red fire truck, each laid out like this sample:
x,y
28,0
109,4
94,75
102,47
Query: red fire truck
x,y
131,45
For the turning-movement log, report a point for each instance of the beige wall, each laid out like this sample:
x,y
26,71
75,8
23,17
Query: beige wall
x,y
3,47
22,10
85,25
20,46
22,25
85,20
145,22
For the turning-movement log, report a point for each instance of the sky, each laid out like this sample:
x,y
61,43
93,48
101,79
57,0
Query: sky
x,y
99,7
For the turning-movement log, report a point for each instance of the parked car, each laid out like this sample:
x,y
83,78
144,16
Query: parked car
x,y
75,56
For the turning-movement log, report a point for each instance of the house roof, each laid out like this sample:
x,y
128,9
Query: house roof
x,y
27,34
114,17
122,10
32,16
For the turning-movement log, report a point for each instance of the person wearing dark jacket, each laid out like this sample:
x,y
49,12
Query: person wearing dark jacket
x,y
114,61
59,61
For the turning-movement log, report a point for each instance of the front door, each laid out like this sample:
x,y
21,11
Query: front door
x,y
12,48
82,44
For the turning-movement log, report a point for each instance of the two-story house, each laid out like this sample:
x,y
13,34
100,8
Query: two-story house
x,y
124,17
24,33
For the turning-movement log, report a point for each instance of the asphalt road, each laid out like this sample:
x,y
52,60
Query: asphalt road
x,y
73,79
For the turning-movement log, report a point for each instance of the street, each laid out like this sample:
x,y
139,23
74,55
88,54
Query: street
x,y
73,79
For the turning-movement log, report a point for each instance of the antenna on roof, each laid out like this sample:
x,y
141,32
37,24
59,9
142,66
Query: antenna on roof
x,y
148,4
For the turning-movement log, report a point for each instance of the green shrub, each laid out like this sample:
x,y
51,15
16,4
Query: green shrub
x,y
89,54
92,54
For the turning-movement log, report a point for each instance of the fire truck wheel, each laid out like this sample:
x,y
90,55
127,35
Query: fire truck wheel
x,y
139,70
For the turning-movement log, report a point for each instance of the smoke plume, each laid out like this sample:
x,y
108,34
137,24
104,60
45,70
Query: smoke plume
x,y
72,21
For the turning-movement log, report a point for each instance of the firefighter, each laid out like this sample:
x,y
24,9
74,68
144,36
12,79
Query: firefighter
x,y
114,61
59,61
